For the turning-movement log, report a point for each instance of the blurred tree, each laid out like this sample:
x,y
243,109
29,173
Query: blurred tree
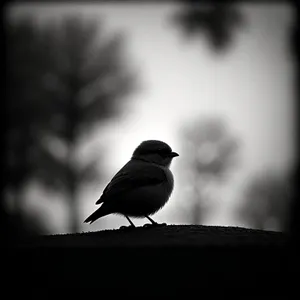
x,y
80,81
212,154
216,21
213,148
266,203
25,113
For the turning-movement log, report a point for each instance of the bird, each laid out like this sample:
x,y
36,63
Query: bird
x,y
141,187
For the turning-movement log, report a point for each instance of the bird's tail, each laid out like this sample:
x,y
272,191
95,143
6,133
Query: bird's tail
x,y
95,215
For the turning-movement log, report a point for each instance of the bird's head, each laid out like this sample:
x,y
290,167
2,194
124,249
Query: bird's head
x,y
156,152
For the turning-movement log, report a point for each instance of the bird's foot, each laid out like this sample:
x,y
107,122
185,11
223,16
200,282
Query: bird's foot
x,y
154,225
127,227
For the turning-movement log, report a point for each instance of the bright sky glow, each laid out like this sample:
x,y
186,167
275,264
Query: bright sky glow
x,y
250,87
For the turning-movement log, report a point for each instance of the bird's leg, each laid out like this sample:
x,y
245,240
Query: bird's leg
x,y
153,223
131,223
128,227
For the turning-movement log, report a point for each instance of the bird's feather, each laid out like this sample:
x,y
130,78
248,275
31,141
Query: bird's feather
x,y
134,174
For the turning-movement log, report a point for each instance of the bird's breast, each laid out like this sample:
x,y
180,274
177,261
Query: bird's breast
x,y
147,200
170,180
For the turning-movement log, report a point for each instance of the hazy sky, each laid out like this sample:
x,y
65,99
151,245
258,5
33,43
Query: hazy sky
x,y
250,86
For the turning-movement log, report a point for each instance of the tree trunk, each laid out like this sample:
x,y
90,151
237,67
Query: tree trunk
x,y
72,189
73,210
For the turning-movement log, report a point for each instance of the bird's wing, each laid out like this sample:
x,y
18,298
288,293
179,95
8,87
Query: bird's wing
x,y
132,176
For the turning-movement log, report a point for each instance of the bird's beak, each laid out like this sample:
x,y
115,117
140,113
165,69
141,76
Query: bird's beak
x,y
174,154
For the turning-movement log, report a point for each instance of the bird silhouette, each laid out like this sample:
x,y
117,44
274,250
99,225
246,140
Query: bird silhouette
x,y
141,187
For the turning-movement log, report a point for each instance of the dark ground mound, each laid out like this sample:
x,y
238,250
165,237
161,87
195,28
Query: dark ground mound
x,y
155,259
166,236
